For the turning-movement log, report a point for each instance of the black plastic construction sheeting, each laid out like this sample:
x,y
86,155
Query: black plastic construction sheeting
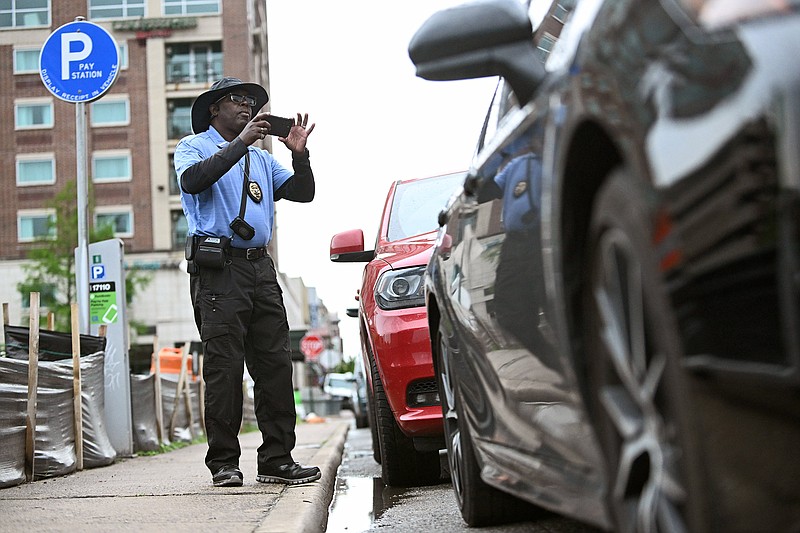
x,y
143,407
53,345
54,453
143,412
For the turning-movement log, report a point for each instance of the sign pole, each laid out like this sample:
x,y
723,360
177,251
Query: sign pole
x,y
82,268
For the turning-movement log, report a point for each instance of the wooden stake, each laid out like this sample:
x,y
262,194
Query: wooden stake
x,y
51,321
3,329
178,392
157,391
33,383
188,398
77,403
202,393
5,323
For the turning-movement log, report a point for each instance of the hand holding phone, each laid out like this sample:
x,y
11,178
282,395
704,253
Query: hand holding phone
x,y
279,126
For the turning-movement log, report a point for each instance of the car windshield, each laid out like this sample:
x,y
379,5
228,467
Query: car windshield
x,y
417,204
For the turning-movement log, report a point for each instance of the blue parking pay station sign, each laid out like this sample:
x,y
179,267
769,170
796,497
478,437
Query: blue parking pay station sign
x,y
79,62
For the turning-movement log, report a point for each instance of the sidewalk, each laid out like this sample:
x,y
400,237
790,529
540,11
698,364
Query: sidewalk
x,y
173,492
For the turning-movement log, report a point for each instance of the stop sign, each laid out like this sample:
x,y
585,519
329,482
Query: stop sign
x,y
311,346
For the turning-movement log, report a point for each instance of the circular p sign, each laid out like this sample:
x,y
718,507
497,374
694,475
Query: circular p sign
x,y
79,62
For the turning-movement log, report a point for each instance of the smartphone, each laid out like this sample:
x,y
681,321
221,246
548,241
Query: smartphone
x,y
280,126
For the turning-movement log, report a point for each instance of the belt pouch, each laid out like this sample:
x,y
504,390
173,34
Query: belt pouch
x,y
210,252
191,246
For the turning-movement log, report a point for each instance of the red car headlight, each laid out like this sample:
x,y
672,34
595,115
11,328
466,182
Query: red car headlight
x,y
399,289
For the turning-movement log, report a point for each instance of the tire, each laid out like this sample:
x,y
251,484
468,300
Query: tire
x,y
373,424
480,504
638,395
401,464
362,420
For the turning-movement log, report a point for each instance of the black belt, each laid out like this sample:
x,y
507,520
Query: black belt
x,y
251,254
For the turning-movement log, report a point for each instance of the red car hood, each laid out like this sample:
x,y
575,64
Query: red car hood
x,y
414,251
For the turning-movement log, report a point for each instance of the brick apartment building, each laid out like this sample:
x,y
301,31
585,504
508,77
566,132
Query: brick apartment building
x,y
170,51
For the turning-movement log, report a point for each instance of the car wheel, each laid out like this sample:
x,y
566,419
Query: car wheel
x,y
638,396
401,464
480,504
362,418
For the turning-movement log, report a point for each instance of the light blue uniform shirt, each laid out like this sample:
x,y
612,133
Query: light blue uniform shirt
x,y
520,181
211,211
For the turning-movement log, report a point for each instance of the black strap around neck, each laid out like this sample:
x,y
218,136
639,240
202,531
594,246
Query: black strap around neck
x,y
243,205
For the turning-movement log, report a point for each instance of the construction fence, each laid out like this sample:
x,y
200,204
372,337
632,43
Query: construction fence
x,y
52,409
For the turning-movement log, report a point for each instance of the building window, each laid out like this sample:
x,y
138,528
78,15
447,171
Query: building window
x,y
123,55
33,114
111,165
180,228
120,218
562,10
35,224
24,13
191,7
179,117
26,60
36,169
546,45
174,190
194,62
111,112
116,9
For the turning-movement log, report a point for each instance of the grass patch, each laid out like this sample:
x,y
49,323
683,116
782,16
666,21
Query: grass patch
x,y
248,428
177,445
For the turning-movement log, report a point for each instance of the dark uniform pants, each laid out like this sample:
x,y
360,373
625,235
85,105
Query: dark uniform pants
x,y
241,318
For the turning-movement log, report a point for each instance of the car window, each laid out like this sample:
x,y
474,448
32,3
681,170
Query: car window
x,y
416,205
492,118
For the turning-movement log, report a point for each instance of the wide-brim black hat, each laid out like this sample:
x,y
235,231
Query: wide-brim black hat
x,y
200,114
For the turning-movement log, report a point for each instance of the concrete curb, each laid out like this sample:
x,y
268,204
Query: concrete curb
x,y
304,508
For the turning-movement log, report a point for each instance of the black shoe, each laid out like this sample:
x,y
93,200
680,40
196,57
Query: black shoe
x,y
291,474
228,476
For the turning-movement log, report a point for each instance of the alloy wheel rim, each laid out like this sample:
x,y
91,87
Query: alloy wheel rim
x,y
453,434
646,489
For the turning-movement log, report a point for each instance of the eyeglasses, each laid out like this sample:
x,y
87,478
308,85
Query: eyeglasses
x,y
238,99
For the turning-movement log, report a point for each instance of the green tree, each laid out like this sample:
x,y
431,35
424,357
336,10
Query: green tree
x,y
51,270
344,366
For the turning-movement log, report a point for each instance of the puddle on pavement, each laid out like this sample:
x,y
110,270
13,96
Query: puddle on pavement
x,y
358,502
360,498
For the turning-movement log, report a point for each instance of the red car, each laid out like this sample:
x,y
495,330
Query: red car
x,y
403,398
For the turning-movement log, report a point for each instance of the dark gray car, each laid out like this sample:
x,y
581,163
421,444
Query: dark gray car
x,y
613,298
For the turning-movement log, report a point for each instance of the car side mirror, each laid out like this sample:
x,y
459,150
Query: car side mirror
x,y
348,247
477,40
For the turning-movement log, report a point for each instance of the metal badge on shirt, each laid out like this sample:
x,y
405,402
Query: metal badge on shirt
x,y
254,191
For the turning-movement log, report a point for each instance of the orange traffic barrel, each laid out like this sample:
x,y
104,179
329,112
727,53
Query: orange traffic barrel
x,y
170,362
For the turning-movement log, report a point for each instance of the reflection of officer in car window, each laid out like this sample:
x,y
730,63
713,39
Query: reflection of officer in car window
x,y
519,287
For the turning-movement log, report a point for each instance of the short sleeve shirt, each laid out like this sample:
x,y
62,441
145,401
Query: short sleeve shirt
x,y
211,211
520,181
